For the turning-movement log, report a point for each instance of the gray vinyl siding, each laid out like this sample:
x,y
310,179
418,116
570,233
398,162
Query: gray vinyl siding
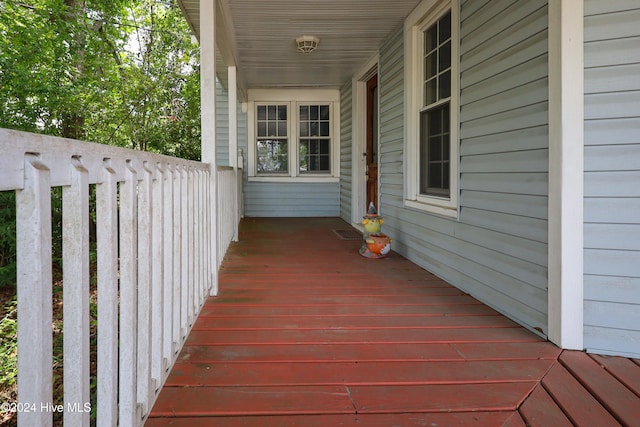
x,y
222,125
243,144
291,199
243,132
497,249
346,154
612,177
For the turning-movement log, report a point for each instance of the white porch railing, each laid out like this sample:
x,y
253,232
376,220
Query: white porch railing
x,y
156,264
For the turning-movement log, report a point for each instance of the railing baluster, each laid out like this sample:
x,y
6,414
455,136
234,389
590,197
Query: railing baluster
x,y
201,240
186,253
35,347
191,244
210,268
177,260
107,228
75,258
128,410
157,277
145,260
169,256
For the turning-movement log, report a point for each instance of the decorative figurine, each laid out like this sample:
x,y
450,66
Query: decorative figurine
x,y
375,244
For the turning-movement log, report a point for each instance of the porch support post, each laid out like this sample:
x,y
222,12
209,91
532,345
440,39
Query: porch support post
x,y
233,140
566,173
208,117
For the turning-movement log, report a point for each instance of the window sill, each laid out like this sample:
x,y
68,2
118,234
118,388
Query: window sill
x,y
306,179
433,208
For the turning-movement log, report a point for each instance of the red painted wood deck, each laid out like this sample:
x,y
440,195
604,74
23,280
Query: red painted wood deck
x,y
306,332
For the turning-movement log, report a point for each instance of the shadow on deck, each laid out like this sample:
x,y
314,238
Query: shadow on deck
x,y
305,332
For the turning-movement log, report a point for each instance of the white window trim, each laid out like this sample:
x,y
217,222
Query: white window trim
x,y
293,98
425,14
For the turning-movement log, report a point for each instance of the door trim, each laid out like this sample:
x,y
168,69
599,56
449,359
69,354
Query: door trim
x,y
359,141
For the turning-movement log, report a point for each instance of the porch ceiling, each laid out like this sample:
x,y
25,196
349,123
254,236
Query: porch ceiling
x,y
259,37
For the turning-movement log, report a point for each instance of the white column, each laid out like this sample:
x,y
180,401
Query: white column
x,y
233,143
566,172
208,116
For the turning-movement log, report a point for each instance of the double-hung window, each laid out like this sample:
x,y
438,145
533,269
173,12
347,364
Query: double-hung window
x,y
272,141
294,136
315,138
432,147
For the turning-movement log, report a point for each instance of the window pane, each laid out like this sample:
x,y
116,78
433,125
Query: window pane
x,y
304,112
444,56
324,129
434,151
262,112
431,65
271,112
314,121
324,112
314,155
445,85
437,61
430,91
262,128
445,27
435,147
272,155
282,112
435,176
304,129
431,38
271,143
282,128
435,122
445,176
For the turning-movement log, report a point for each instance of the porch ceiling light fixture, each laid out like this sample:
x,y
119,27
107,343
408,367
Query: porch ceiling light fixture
x,y
307,44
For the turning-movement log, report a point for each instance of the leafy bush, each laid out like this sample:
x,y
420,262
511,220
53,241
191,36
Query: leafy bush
x,y
8,263
8,349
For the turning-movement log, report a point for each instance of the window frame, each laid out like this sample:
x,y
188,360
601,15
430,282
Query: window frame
x,y
426,14
294,99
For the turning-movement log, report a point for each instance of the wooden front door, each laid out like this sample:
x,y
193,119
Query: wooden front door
x,y
372,141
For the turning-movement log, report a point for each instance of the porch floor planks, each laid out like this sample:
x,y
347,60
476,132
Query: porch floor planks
x,y
305,332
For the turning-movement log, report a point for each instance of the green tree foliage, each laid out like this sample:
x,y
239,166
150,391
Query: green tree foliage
x,y
119,72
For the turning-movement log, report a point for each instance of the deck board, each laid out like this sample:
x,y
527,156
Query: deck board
x,y
305,332
357,372
575,401
624,370
540,410
623,404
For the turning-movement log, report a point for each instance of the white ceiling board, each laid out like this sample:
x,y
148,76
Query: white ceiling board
x,y
262,42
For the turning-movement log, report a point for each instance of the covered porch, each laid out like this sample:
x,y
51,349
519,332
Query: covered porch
x,y
305,332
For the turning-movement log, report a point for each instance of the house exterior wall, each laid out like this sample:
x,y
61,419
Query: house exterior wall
x,y
222,125
291,199
497,247
612,178
243,138
346,151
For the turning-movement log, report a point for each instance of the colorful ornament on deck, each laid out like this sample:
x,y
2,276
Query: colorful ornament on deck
x,y
375,244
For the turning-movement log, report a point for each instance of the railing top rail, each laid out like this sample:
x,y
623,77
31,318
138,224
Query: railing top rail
x,y
55,153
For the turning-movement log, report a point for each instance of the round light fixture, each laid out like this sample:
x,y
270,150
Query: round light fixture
x,y
307,44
